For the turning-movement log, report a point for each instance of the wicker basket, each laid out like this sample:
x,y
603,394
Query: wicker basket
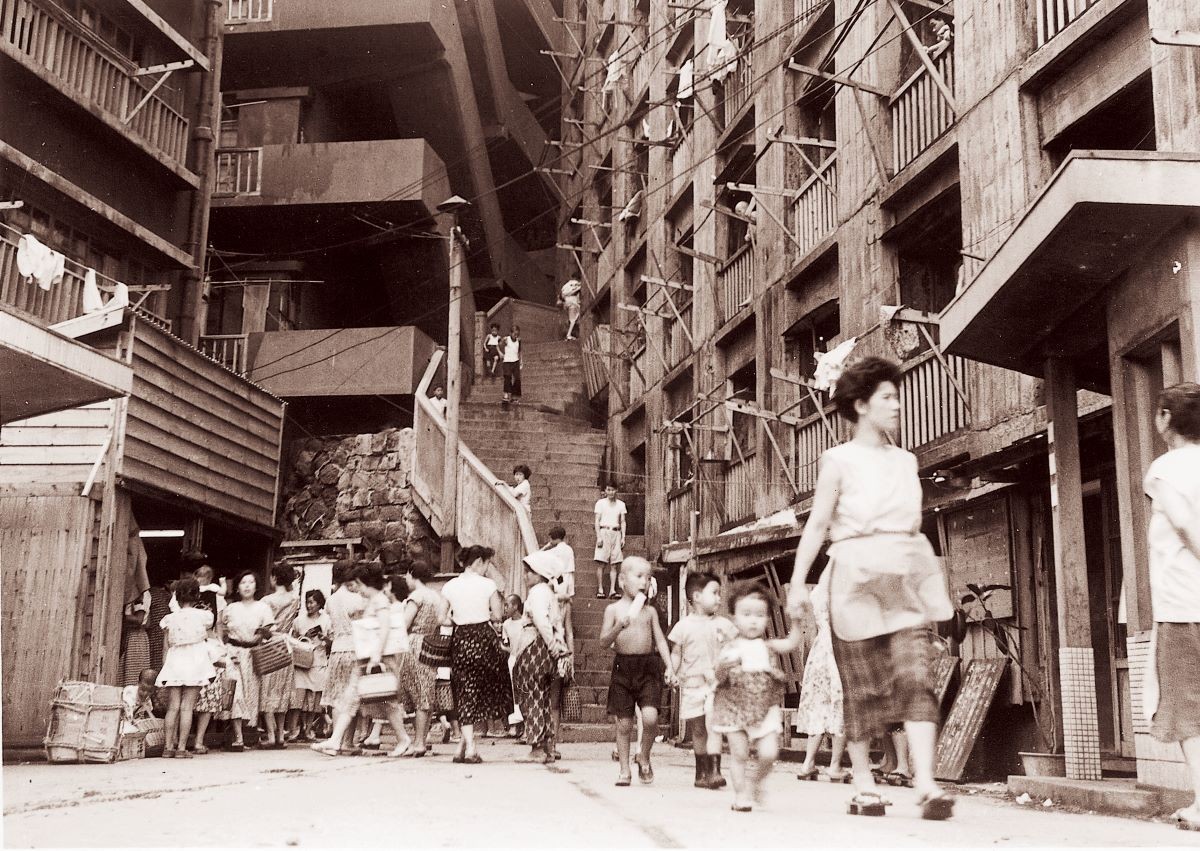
x,y
155,731
133,746
85,723
270,656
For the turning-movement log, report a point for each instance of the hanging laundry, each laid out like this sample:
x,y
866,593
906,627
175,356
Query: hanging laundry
x,y
646,129
92,300
616,71
831,364
722,52
39,262
633,209
120,298
687,77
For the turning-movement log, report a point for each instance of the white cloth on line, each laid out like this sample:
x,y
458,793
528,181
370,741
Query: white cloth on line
x,y
616,70
687,76
92,300
40,262
722,52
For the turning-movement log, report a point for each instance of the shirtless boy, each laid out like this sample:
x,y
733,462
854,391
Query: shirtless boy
x,y
642,665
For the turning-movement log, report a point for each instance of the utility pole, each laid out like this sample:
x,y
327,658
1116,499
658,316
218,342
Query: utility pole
x,y
458,269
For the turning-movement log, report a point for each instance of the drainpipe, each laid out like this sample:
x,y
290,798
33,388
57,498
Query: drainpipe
x,y
191,313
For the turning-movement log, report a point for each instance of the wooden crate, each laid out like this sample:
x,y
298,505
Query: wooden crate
x,y
85,723
133,746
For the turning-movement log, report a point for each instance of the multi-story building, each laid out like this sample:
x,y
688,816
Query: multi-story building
x,y
121,443
751,184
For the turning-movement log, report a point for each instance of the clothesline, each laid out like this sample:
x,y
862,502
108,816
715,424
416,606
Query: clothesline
x,y
80,269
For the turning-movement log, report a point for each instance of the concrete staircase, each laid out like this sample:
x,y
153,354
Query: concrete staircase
x,y
548,431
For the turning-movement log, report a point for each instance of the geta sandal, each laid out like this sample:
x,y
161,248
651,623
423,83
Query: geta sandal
x,y
867,804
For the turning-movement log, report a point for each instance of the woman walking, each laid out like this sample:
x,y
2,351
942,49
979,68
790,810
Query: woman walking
x,y
886,586
245,623
820,710
312,626
343,606
277,686
424,611
536,683
478,667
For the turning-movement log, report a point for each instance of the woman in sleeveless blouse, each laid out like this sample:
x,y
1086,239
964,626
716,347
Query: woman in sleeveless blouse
x,y
424,609
277,686
886,586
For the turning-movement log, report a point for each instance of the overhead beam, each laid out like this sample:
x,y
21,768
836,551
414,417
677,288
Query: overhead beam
x,y
839,78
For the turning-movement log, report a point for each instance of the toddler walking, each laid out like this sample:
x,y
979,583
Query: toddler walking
x,y
697,640
187,665
749,693
632,629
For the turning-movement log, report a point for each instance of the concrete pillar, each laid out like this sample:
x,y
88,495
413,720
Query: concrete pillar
x,y
1081,735
1175,76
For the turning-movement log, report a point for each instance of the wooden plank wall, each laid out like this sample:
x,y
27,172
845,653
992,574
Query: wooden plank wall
x,y
197,430
46,545
54,449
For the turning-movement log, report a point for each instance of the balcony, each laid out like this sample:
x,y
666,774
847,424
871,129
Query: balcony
x,y
740,486
919,111
332,173
814,212
677,344
260,15
247,12
739,85
61,302
1053,16
637,376
735,281
680,505
229,350
58,48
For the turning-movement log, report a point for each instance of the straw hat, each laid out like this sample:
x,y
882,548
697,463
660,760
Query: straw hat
x,y
544,564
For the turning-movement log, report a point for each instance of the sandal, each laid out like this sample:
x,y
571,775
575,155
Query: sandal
x,y
614,596
199,750
168,754
328,750
624,780
645,771
867,804
741,808
236,747
839,776
600,595
407,753
898,778
937,807
811,774
473,759
183,754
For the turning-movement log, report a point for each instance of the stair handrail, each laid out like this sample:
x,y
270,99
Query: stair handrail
x,y
426,418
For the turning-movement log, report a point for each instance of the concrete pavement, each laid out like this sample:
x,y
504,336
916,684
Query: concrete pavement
x,y
297,797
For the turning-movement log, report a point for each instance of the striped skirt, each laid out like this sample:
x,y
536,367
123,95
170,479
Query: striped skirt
x,y
534,678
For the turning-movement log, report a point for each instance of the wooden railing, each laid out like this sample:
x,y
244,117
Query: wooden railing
x,y
89,68
812,438
1054,15
247,11
679,515
677,342
637,375
740,486
814,212
485,513
239,172
61,302
597,359
930,407
229,350
920,113
735,280
739,84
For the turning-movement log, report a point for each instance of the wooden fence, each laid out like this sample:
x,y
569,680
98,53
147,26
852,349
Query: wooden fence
x,y
814,212
919,111
735,280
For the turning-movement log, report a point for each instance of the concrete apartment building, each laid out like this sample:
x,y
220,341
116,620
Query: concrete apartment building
x,y
114,426
1022,181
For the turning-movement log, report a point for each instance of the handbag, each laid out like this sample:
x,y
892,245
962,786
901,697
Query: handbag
x,y
270,656
572,704
436,651
228,693
443,698
377,684
366,637
304,654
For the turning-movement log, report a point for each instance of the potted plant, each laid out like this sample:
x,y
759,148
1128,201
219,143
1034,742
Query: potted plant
x,y
1049,762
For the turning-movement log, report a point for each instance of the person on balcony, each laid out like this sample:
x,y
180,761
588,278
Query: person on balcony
x,y
885,588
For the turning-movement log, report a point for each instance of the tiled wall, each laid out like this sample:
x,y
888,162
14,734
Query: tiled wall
x,y
1081,735
1158,763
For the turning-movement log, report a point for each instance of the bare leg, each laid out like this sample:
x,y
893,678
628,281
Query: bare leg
x,y
612,579
900,742
600,578
860,764
186,708
342,722
810,753
835,757
202,720
768,752
922,744
421,728
467,748
172,720
396,717
376,735
739,752
649,731
237,731
699,736
1191,755
269,721
624,737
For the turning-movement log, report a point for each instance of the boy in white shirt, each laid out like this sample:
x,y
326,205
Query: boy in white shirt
x,y
610,539
510,352
521,490
491,350
438,400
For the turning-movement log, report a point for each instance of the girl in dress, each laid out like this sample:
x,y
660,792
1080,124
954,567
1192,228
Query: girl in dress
x,y
820,709
277,686
186,667
314,626
749,695
245,623
885,587
424,610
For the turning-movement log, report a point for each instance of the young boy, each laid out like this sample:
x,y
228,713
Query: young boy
x,y
564,586
438,400
631,628
609,520
491,350
510,638
521,490
697,640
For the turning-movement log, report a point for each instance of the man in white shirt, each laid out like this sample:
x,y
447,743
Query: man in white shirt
x,y
438,400
564,583
510,355
610,539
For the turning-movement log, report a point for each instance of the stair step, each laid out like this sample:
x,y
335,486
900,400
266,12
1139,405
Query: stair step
x,y
586,733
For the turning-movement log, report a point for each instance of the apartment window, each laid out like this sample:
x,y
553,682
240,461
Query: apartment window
x,y
602,185
929,248
641,17
813,335
743,386
680,433
283,307
935,30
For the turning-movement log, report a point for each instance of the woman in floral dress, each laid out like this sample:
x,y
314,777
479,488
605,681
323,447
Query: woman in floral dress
x,y
820,709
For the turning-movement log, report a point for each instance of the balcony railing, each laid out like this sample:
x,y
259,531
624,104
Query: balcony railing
x,y
239,172
739,85
61,302
229,350
920,113
735,280
679,514
814,212
740,485
247,11
91,70
1054,15
930,409
637,376
677,342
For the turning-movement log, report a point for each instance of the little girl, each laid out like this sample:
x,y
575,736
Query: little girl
x,y
187,665
746,706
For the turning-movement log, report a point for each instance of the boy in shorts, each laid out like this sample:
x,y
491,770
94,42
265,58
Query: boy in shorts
x,y
697,640
609,516
642,663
